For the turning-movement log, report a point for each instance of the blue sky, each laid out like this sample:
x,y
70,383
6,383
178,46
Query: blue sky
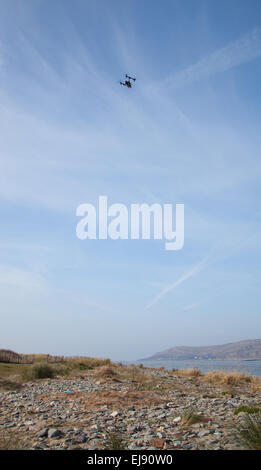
x,y
189,133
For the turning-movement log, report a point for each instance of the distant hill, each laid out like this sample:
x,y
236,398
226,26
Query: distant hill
x,y
241,350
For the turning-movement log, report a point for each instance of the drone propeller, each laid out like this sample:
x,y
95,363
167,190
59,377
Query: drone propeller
x,y
130,78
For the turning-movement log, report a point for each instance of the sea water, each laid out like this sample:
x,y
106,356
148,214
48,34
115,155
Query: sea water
x,y
244,367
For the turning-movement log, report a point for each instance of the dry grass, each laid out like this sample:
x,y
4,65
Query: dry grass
x,y
141,379
233,378
187,373
85,363
228,378
139,376
190,417
12,441
114,441
249,433
115,399
7,370
9,385
118,399
61,366
104,371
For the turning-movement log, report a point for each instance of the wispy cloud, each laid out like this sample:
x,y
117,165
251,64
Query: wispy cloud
x,y
191,306
191,273
232,55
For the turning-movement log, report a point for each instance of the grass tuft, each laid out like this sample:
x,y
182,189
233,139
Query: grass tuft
x,y
39,371
114,441
228,378
9,385
248,409
12,442
105,371
187,373
249,433
189,417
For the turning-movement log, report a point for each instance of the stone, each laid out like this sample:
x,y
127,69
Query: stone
x,y
54,433
158,443
42,433
161,435
95,427
203,433
177,420
70,422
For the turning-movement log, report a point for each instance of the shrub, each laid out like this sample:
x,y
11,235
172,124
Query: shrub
x,y
247,409
249,433
114,441
85,363
39,371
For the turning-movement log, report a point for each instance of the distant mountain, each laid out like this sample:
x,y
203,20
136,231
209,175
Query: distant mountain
x,y
241,350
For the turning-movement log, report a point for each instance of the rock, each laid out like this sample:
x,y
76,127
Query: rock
x,y
80,439
203,433
54,433
158,443
42,433
161,435
95,427
134,447
177,420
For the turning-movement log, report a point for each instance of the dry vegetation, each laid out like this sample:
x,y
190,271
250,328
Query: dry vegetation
x,y
13,441
9,385
249,433
41,366
114,441
118,399
190,417
228,378
16,369
187,373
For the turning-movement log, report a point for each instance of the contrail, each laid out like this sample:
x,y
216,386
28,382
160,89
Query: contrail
x,y
195,270
238,52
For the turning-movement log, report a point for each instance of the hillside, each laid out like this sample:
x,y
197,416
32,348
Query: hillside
x,y
241,350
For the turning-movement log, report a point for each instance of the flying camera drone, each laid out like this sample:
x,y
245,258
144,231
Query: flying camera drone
x,y
128,82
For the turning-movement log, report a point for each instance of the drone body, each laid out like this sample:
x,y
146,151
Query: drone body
x,y
127,82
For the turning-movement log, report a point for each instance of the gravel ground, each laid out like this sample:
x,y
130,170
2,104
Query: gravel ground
x,y
88,413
